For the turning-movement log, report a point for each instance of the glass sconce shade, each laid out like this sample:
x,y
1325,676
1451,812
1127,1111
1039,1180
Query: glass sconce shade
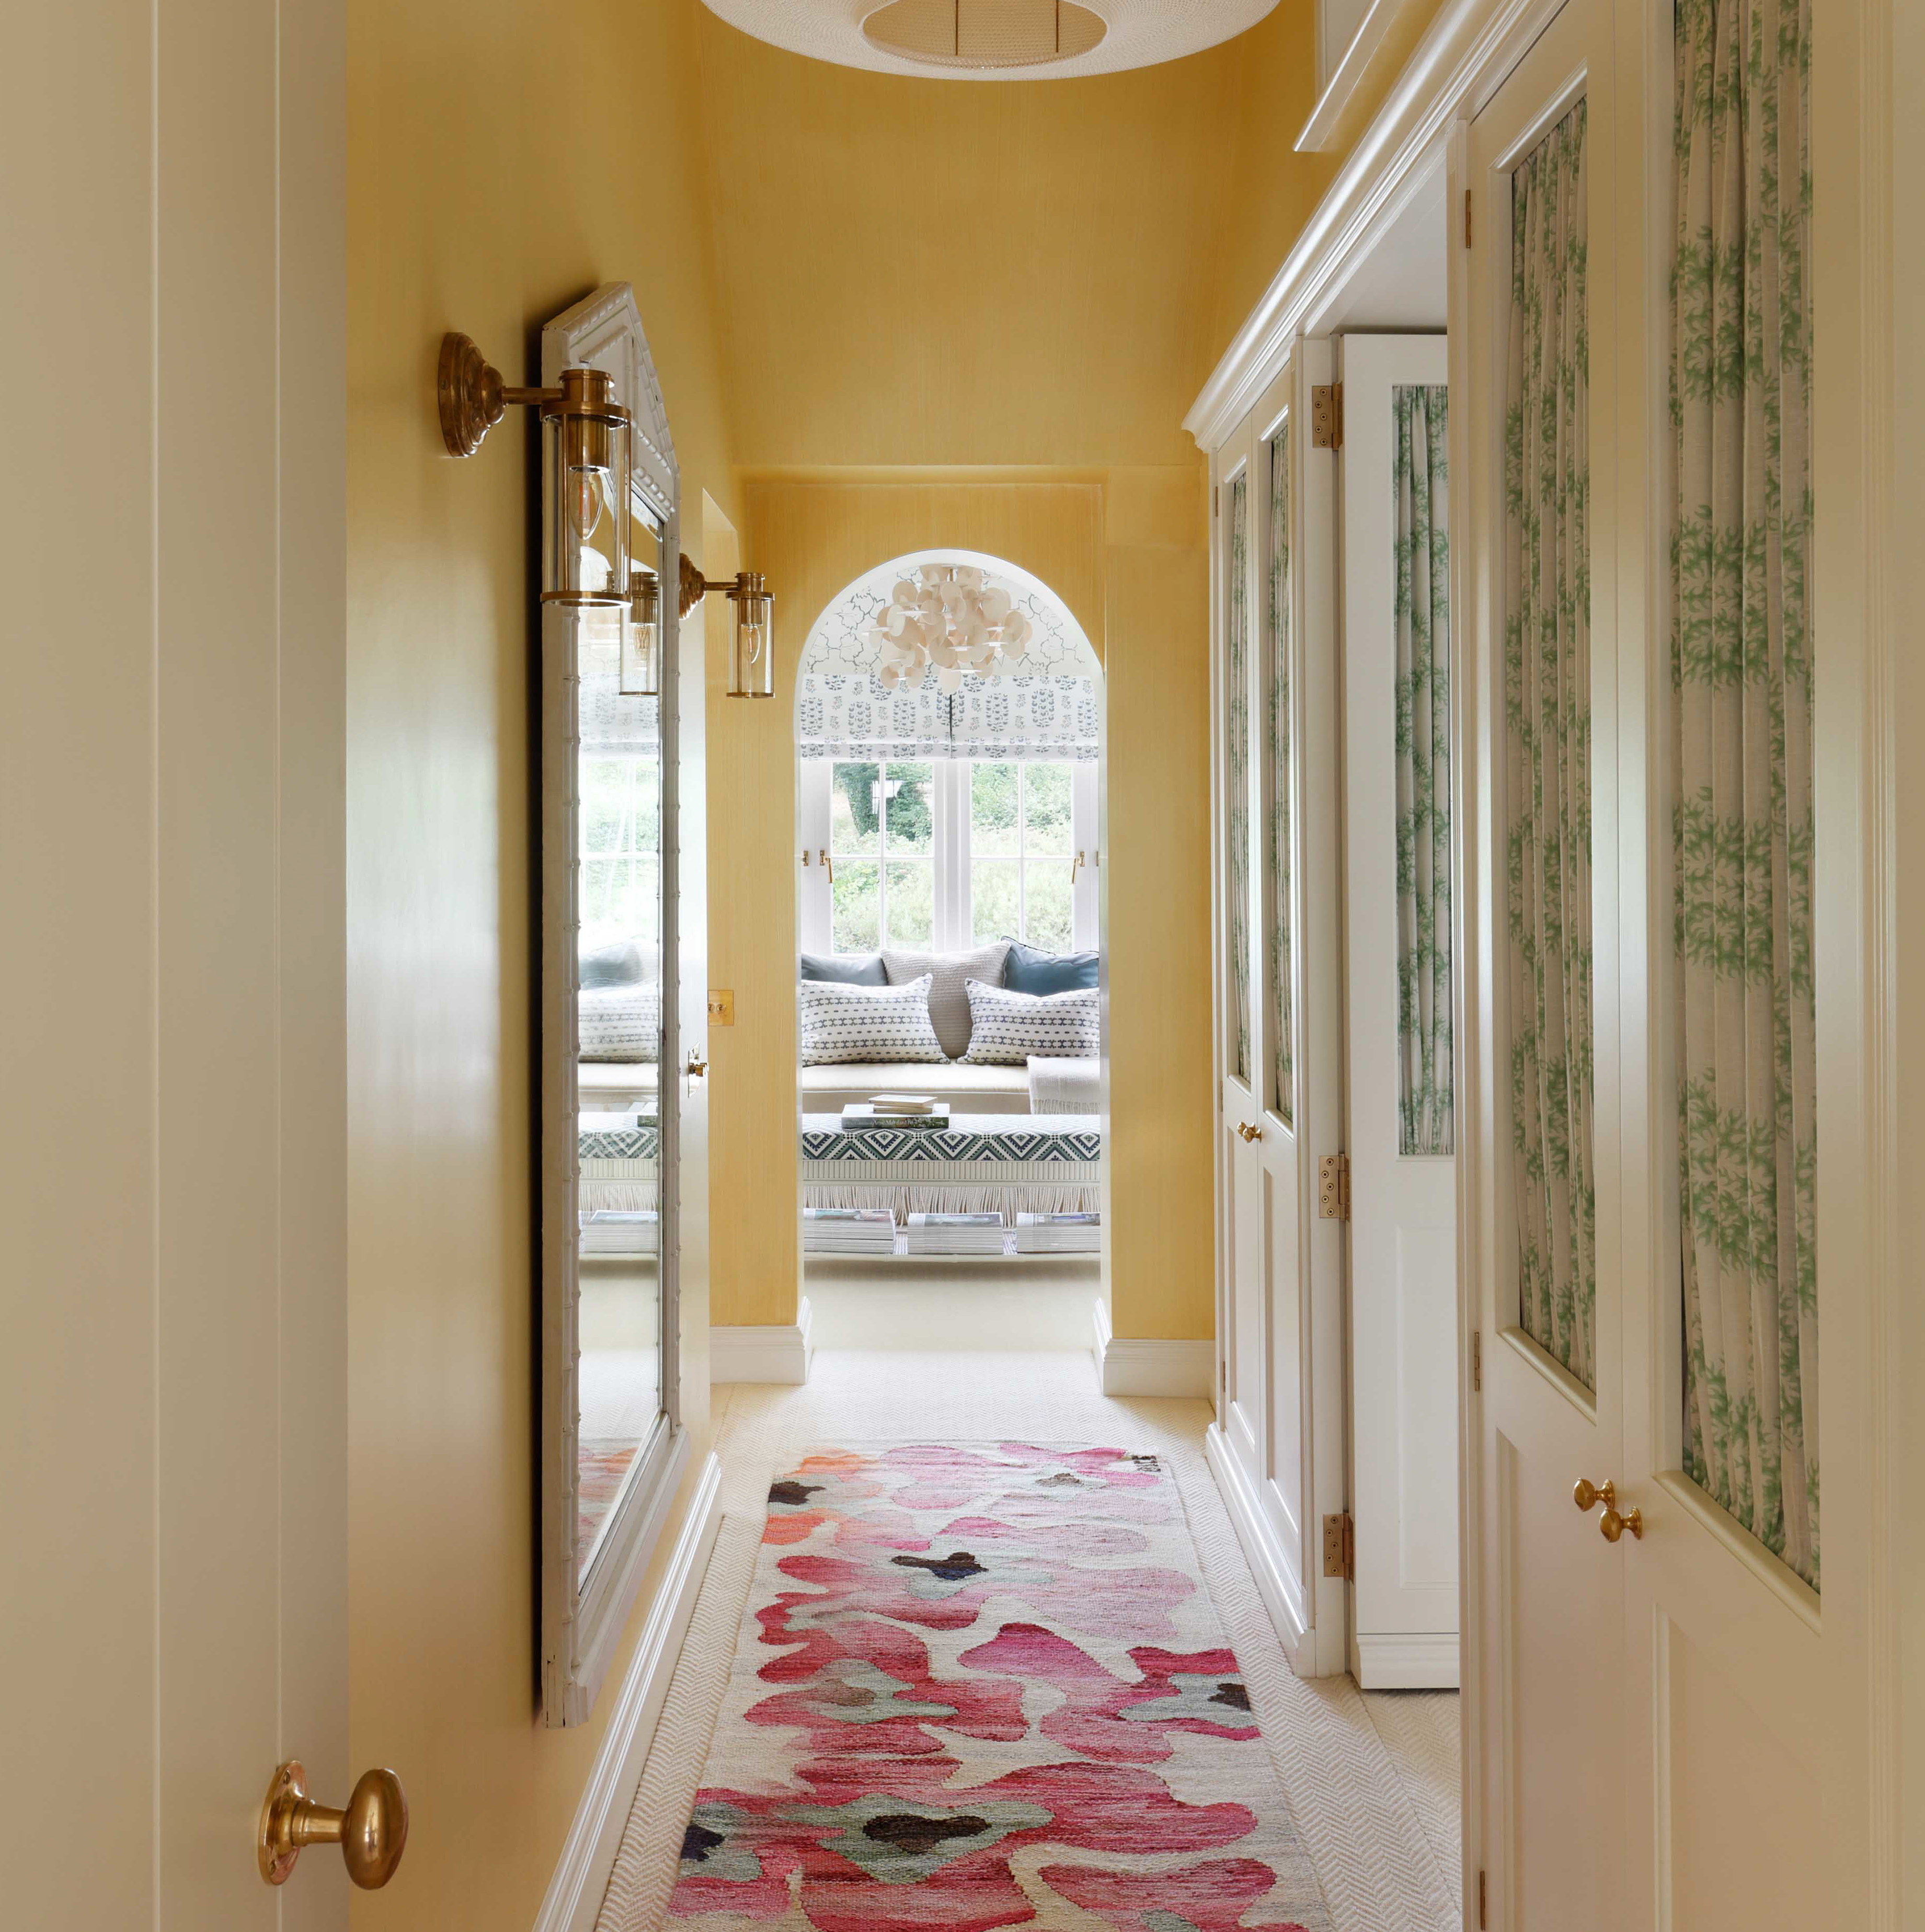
x,y
752,662
585,458
641,637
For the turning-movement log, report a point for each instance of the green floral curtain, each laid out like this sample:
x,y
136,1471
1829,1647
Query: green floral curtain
x,y
1547,705
1282,1064
1741,667
1421,484
1237,741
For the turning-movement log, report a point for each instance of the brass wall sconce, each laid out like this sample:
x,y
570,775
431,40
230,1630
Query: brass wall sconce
x,y
752,659
584,467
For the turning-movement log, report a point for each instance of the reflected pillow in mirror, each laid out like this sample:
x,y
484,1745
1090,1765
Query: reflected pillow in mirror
x,y
848,969
617,965
841,1023
1030,970
621,1023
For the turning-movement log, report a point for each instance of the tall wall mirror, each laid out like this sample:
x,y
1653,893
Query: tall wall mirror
x,y
612,1447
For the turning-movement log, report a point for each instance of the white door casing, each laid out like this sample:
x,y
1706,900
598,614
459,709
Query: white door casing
x,y
1278,1448
1403,1283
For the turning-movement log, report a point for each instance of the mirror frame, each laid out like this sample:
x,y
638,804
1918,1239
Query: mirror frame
x,y
582,1619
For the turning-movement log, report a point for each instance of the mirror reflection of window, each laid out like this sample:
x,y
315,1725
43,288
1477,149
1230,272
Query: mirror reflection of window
x,y
619,906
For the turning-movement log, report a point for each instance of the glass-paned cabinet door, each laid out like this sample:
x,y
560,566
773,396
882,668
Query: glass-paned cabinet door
x,y
612,1446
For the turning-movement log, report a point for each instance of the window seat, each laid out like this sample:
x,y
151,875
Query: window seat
x,y
968,1088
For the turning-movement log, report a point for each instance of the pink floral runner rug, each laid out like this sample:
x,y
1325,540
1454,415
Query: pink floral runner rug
x,y
983,1684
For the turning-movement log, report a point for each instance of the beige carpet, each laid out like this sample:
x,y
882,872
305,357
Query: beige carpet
x,y
1365,1779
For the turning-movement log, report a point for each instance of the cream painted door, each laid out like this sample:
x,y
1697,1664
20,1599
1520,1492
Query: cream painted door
x,y
1403,1258
1546,1745
173,1405
1277,1446
1671,1730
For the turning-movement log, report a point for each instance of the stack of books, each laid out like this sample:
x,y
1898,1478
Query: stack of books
x,y
848,1231
897,1110
606,1231
1058,1234
955,1234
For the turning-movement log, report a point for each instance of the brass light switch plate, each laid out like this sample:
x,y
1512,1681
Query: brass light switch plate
x,y
721,1006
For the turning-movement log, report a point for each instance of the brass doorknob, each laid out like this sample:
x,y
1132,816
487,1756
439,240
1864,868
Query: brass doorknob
x,y
1588,1495
371,1832
1248,1132
696,1068
1611,1525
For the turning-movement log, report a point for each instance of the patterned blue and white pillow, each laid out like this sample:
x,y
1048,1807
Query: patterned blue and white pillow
x,y
620,1023
1008,1028
841,1022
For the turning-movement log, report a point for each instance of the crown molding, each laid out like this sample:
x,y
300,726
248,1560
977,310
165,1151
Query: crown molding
x,y
1468,49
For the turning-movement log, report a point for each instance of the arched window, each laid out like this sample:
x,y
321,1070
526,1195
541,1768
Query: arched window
x,y
939,819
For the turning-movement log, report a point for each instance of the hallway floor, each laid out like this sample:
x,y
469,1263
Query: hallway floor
x,y
1371,1779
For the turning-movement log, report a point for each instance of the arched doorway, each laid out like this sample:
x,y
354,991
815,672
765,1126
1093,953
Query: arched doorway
x,y
950,822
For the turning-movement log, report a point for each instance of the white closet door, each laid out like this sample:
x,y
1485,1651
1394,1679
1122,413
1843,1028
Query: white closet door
x,y
1546,1739
1403,1177
1278,1448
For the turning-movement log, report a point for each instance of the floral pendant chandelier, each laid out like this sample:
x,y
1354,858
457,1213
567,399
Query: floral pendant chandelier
x,y
949,616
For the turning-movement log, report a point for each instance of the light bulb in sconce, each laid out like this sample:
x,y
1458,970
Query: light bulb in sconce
x,y
752,664
641,637
587,501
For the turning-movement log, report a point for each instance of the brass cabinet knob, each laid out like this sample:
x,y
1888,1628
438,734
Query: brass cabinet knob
x,y
371,1832
1248,1132
1588,1495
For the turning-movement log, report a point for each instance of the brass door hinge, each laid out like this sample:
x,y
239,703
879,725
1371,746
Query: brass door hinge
x,y
1481,1920
1327,415
1216,499
1333,1187
1467,218
1476,1360
1339,1547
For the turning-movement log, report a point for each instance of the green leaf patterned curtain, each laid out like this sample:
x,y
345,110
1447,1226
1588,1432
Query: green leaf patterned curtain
x,y
1237,741
1421,483
1741,667
1282,1062
1547,706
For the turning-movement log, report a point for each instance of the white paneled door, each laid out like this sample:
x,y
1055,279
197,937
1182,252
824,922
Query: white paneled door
x,y
174,1443
1277,1448
1669,1727
1397,902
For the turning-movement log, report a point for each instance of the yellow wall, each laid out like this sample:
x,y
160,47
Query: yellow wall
x,y
1125,550
481,197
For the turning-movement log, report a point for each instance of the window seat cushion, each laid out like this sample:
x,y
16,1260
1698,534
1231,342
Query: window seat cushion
x,y
967,1088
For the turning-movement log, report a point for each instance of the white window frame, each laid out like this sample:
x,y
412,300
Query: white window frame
x,y
949,802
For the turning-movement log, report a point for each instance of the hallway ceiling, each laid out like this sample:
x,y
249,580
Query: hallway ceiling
x,y
994,40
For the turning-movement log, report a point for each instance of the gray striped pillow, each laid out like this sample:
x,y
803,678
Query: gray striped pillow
x,y
1006,1028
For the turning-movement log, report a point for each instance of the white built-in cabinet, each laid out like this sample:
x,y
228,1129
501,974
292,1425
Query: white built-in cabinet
x,y
1336,1433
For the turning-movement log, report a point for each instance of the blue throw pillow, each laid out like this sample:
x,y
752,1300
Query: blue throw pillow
x,y
850,969
1030,970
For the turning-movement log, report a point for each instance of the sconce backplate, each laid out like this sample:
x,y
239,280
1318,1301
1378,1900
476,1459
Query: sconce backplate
x,y
470,391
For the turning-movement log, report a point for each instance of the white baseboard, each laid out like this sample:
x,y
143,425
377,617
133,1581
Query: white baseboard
x,y
1268,1563
1128,1367
778,1353
574,1899
1426,1662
